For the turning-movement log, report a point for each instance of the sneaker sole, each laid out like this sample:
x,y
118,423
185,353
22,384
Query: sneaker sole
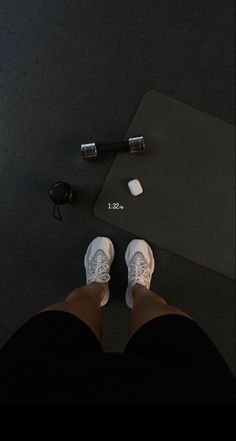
x,y
128,296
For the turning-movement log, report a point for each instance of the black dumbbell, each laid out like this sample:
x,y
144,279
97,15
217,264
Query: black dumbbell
x,y
133,145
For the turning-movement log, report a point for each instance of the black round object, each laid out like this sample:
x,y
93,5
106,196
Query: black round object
x,y
60,193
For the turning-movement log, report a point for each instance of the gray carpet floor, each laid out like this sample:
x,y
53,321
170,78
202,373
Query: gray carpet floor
x,y
74,72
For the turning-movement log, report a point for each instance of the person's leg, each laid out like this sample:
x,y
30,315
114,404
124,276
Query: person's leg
x,y
148,305
145,304
84,303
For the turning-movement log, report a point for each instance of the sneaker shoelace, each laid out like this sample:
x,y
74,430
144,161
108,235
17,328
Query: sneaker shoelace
x,y
139,272
99,269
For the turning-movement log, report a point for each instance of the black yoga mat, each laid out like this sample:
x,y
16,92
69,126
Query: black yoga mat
x,y
187,174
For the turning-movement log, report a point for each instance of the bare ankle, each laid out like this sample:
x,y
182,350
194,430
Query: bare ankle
x,y
97,286
96,289
93,289
141,292
139,288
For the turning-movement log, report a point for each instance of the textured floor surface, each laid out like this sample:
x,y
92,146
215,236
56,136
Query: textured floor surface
x,y
72,72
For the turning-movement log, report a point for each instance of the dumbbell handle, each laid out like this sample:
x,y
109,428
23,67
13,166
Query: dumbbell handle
x,y
133,145
113,147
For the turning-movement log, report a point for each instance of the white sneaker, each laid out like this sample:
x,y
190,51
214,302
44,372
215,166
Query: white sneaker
x,y
97,262
140,261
